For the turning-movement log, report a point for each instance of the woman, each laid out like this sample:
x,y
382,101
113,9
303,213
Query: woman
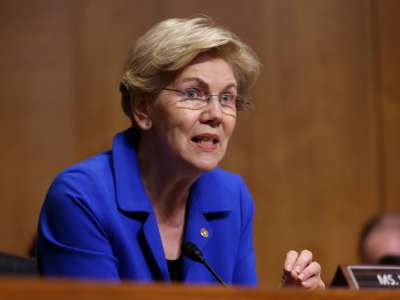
x,y
124,214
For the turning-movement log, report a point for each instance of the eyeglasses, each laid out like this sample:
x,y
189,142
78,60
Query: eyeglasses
x,y
194,98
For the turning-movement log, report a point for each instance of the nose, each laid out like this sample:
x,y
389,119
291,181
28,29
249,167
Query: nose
x,y
212,113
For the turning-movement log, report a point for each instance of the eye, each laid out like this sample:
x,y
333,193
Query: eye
x,y
227,99
193,93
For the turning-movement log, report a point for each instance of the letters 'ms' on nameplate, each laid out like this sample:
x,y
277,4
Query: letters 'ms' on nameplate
x,y
368,276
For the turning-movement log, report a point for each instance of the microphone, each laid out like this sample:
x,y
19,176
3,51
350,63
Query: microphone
x,y
389,260
194,253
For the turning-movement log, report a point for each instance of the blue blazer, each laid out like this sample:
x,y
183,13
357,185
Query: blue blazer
x,y
98,223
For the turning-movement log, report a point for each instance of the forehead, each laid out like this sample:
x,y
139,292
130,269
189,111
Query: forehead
x,y
212,71
385,239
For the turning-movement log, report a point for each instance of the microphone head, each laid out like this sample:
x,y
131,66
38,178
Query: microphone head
x,y
192,251
389,260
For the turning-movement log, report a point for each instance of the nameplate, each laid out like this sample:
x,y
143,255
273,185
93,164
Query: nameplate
x,y
368,276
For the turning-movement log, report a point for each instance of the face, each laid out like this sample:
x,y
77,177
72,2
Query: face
x,y
382,242
193,137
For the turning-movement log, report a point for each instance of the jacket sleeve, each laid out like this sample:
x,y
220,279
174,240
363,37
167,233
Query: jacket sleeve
x,y
72,234
245,268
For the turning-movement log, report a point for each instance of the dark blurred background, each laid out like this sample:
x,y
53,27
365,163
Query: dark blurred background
x,y
319,150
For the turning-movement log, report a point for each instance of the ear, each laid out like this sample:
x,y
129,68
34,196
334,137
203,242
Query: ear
x,y
141,107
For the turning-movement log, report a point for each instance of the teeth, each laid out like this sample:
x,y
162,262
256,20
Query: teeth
x,y
205,141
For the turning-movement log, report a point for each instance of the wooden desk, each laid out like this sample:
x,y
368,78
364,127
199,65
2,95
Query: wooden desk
x,y
35,289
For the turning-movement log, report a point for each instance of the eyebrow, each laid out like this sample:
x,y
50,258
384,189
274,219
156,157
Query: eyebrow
x,y
204,84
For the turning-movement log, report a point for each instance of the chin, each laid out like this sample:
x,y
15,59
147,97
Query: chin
x,y
207,167
205,164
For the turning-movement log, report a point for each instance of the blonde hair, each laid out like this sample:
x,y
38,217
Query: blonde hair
x,y
172,44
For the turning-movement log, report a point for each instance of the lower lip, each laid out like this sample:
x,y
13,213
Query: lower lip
x,y
206,147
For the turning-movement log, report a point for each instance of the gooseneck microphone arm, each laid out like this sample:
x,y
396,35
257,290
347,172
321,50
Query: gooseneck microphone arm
x,y
193,252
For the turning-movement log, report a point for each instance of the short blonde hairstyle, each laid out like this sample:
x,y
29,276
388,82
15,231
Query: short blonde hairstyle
x,y
170,45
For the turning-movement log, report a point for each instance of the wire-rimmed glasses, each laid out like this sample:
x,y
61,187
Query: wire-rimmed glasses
x,y
194,98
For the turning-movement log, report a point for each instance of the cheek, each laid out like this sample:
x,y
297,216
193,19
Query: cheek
x,y
179,126
230,127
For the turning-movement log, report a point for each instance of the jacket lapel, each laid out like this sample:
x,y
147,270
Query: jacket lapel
x,y
205,199
198,231
153,239
132,199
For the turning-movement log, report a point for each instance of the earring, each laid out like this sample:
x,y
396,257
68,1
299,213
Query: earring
x,y
147,124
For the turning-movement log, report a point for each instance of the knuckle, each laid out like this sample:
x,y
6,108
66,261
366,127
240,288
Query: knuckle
x,y
292,253
317,266
314,268
307,284
307,253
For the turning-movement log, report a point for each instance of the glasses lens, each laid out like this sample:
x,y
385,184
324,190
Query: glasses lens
x,y
195,99
193,103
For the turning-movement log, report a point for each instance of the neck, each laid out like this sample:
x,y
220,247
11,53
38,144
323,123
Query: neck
x,y
166,182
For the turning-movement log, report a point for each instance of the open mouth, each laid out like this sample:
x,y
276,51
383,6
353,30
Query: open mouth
x,y
205,139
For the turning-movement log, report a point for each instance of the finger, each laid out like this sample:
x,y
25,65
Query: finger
x,y
303,260
313,283
312,270
289,280
290,260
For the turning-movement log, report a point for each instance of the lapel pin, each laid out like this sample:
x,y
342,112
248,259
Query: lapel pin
x,y
204,232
